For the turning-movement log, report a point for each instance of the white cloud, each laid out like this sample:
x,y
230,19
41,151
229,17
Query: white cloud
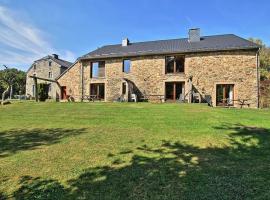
x,y
12,58
68,55
21,42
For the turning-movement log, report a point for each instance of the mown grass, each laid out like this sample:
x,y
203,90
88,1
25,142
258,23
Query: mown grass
x,y
133,151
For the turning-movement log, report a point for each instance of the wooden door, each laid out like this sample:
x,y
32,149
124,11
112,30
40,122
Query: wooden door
x,y
63,92
173,90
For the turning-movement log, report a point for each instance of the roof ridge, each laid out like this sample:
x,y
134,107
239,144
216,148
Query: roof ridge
x,y
51,57
162,40
62,60
247,40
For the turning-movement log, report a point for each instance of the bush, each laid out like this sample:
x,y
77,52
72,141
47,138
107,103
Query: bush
x,y
43,91
265,94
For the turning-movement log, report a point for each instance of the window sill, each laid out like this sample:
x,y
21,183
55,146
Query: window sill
x,y
177,73
98,77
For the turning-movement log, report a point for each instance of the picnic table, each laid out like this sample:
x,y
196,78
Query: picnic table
x,y
241,102
160,97
91,97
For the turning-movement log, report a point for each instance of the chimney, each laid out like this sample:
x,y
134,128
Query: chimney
x,y
194,35
125,42
55,56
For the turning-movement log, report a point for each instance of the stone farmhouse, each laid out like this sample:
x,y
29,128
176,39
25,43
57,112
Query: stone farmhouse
x,y
47,69
220,69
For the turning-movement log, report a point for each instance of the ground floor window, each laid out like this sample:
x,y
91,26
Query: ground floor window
x,y
98,89
174,91
50,87
124,88
225,94
33,90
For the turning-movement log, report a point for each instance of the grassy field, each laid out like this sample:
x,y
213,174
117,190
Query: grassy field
x,y
133,151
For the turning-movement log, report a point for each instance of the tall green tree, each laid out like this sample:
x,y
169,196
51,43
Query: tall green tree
x,y
264,58
12,77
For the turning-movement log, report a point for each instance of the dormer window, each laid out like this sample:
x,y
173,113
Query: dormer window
x,y
50,63
174,64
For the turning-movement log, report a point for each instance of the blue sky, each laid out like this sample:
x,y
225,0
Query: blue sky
x,y
30,29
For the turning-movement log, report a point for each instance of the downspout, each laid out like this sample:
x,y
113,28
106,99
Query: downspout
x,y
258,78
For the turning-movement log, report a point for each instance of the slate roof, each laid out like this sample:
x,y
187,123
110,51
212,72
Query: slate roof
x,y
207,43
67,69
61,62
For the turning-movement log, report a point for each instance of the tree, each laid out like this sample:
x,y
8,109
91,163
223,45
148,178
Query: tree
x,y
264,58
12,80
7,79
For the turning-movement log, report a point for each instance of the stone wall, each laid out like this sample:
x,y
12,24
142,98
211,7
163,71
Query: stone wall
x,y
238,68
42,70
148,74
72,80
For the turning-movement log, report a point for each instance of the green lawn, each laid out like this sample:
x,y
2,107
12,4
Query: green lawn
x,y
133,151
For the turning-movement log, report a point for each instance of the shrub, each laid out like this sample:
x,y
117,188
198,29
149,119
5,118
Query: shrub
x,y
265,94
43,91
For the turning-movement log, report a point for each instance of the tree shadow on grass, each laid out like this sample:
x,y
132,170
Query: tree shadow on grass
x,y
37,188
173,170
15,140
2,196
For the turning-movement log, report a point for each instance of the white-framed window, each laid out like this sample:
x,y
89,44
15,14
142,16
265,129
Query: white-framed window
x,y
33,90
50,75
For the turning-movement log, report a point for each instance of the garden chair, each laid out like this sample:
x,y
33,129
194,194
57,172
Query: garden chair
x,y
181,98
208,99
134,97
